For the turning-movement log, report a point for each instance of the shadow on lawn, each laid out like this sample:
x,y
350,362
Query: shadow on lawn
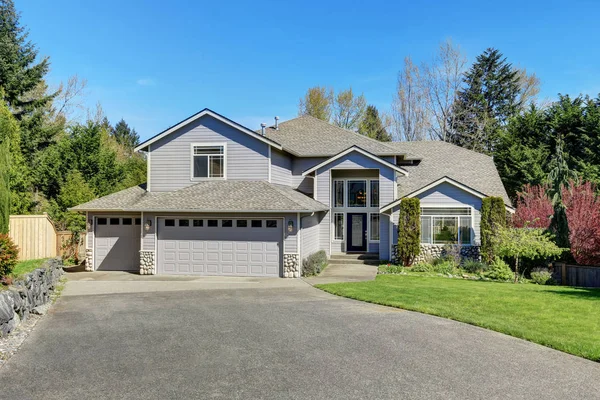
x,y
577,292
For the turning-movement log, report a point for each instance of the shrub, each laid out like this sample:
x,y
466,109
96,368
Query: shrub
x,y
542,276
391,269
493,217
409,230
444,267
474,266
583,218
422,267
9,254
499,271
314,264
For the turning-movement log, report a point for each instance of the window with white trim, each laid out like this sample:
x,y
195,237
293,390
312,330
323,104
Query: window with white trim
x,y
446,225
374,197
374,228
357,193
208,161
338,221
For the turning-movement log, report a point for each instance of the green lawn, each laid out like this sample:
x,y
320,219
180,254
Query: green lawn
x,y
564,318
24,267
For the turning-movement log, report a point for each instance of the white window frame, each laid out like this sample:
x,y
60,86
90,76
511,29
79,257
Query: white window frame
x,y
343,226
208,144
471,227
371,240
378,193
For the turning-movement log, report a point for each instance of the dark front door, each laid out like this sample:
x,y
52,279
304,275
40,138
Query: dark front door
x,y
357,232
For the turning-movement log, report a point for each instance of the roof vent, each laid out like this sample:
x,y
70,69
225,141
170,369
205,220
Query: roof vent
x,y
276,123
262,128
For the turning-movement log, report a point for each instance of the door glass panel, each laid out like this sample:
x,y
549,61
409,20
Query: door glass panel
x,y
357,230
357,194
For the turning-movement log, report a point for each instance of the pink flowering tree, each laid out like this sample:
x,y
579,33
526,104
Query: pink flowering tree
x,y
534,207
583,217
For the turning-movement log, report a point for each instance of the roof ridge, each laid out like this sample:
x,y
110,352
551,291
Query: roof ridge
x,y
445,144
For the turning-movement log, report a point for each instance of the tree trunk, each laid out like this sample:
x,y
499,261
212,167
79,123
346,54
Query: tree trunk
x,y
517,269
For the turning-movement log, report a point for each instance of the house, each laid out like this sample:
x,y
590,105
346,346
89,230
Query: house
x,y
221,199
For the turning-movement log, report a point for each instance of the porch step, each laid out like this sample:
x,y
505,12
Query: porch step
x,y
341,261
359,258
355,256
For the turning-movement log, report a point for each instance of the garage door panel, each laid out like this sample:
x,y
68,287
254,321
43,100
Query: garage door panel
x,y
116,247
240,251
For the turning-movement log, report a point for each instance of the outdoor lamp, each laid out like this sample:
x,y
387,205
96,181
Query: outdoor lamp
x,y
147,225
290,226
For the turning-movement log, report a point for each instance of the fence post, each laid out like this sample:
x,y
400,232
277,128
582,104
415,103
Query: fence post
x,y
563,273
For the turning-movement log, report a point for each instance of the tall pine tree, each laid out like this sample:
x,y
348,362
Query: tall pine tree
x,y
372,126
125,136
489,98
19,73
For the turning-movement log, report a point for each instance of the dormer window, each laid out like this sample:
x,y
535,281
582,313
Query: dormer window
x,y
208,161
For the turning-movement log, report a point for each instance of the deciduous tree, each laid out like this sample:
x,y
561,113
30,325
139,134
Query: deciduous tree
x,y
583,217
410,108
317,102
348,109
534,207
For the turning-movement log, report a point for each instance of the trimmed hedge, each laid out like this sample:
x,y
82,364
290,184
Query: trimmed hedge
x,y
409,231
314,264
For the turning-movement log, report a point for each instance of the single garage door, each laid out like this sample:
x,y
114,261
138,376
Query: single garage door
x,y
234,247
117,244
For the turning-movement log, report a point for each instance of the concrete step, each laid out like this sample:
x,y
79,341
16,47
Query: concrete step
x,y
356,256
338,261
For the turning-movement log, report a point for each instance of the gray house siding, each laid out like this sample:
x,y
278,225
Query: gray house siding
x,y
170,165
299,165
309,242
281,168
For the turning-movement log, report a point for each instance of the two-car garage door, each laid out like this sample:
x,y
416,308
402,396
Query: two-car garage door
x,y
205,246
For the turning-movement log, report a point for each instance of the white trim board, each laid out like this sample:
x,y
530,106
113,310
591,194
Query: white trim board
x,y
216,116
358,150
433,184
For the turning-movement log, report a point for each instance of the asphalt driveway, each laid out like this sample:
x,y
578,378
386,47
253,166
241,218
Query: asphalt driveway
x,y
220,338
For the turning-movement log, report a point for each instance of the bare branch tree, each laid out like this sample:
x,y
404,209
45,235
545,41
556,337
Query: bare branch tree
x,y
317,103
410,109
70,97
529,87
442,80
348,110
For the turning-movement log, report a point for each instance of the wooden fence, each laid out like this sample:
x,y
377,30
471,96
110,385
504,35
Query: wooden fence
x,y
37,237
576,275
34,234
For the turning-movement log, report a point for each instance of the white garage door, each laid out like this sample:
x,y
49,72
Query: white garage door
x,y
235,247
117,244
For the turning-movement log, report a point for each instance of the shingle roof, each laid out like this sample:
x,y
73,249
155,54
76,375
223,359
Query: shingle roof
x,y
209,196
307,136
439,159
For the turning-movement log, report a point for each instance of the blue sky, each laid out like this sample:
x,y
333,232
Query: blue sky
x,y
155,63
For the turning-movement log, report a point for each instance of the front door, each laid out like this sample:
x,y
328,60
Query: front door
x,y
357,232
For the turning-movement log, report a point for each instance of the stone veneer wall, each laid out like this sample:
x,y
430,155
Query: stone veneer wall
x,y
89,260
25,296
291,265
147,262
431,251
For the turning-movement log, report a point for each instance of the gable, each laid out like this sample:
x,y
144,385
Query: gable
x,y
203,113
355,157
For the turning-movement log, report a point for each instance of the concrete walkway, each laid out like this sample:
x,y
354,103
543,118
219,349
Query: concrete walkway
x,y
344,273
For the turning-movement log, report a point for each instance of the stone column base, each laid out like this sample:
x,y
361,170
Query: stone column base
x,y
89,260
147,262
291,265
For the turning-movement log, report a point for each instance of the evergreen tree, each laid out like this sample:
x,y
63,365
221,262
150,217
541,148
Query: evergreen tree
x,y
409,231
493,218
372,126
490,96
125,136
559,177
9,129
19,72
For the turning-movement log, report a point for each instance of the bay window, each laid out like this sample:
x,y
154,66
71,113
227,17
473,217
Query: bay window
x,y
208,161
446,225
